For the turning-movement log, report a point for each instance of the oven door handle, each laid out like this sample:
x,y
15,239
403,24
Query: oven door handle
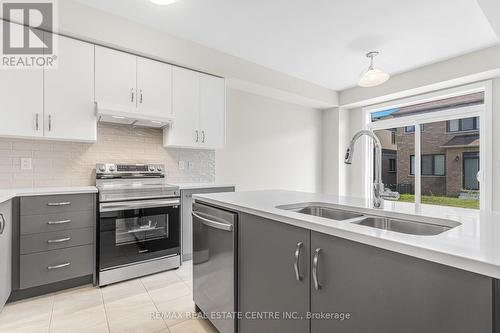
x,y
213,224
117,206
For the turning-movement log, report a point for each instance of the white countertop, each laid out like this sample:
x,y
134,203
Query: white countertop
x,y
7,194
473,246
195,186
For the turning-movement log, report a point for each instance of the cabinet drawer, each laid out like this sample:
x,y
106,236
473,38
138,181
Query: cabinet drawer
x,y
33,224
56,240
52,266
50,204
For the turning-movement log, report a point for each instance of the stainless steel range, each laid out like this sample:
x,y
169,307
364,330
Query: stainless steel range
x,y
139,221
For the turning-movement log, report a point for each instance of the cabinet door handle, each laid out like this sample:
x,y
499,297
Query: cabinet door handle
x,y
317,285
197,136
66,264
203,136
132,95
2,223
65,203
60,240
296,263
140,97
36,122
50,123
58,222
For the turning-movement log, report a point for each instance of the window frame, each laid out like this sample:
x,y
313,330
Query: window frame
x,y
484,111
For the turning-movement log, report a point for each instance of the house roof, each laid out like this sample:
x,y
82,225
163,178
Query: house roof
x,y
438,105
463,141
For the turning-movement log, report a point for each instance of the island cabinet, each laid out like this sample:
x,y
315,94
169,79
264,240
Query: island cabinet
x,y
371,289
268,282
388,292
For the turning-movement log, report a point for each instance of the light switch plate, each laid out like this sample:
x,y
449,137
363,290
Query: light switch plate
x,y
182,165
190,165
25,163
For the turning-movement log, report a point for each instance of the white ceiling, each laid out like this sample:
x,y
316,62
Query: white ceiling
x,y
321,41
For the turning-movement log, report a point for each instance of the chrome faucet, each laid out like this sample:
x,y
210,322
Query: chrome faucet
x,y
380,192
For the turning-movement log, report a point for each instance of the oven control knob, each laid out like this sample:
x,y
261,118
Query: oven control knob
x,y
151,168
102,168
159,168
112,168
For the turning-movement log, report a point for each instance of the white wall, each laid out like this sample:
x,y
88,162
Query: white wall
x,y
270,144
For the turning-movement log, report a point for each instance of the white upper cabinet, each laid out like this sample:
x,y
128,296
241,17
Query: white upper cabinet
x,y
154,87
212,111
55,103
21,95
131,86
184,131
69,93
115,80
199,111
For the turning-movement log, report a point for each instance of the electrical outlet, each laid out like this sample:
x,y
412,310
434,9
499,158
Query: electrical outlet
x,y
182,165
26,163
191,165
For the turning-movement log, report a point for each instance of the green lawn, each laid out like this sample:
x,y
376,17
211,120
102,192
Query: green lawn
x,y
442,201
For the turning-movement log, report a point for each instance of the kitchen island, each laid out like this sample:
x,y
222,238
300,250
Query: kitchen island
x,y
326,275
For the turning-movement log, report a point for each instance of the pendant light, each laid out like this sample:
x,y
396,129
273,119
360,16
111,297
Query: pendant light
x,y
373,76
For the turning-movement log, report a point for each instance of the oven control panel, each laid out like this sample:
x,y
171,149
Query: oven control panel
x,y
129,168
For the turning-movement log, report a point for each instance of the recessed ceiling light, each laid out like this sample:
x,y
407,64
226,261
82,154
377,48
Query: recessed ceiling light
x,y
163,2
373,76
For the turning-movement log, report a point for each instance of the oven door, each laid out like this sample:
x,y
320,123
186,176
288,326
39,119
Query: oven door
x,y
132,231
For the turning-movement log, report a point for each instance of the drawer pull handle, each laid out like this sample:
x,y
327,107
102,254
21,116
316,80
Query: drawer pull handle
x,y
60,240
66,203
59,266
59,222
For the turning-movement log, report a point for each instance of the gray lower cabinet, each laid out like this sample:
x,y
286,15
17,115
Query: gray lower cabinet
x,y
388,292
268,281
5,251
56,239
53,266
350,287
187,219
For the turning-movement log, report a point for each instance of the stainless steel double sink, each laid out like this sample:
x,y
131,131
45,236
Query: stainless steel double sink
x,y
328,211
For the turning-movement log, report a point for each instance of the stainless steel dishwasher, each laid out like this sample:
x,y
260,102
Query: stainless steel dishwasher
x,y
214,264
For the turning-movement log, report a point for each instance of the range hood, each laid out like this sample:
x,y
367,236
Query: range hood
x,y
110,114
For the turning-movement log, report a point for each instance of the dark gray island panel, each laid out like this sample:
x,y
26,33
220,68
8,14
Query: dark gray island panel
x,y
267,278
376,289
389,292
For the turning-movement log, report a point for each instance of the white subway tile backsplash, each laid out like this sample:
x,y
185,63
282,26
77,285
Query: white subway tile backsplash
x,y
58,163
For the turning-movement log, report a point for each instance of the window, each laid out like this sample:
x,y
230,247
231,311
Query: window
x,y
432,165
471,168
462,125
410,129
392,165
449,150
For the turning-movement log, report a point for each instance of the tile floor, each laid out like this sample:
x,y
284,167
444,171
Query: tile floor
x,y
141,305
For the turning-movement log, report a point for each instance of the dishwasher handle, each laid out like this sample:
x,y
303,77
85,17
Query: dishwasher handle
x,y
213,224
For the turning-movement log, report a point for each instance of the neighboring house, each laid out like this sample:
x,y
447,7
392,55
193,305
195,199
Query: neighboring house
x,y
450,151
